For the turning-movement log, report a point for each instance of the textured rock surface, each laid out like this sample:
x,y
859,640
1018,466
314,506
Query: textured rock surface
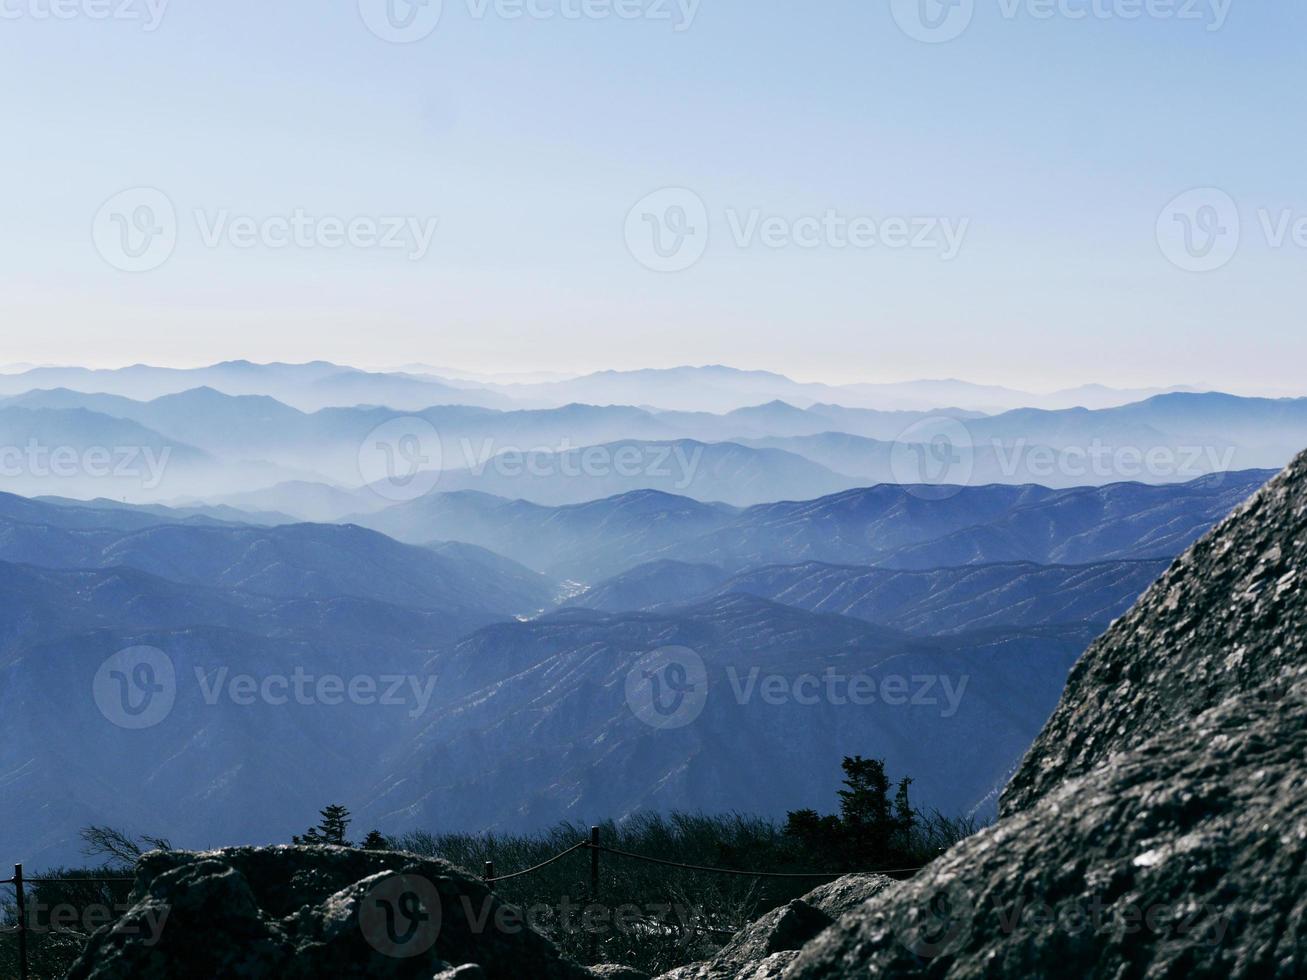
x,y
763,950
1158,828
1226,618
310,912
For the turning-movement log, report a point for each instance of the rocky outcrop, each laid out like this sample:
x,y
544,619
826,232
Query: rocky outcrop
x,y
764,949
311,912
1158,827
1227,618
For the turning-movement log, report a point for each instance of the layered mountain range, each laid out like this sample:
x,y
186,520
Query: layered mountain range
x,y
208,577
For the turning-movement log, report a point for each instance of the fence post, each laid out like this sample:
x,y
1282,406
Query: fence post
x,y
489,875
22,922
594,889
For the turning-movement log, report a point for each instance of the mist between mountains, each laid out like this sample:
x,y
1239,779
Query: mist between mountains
x,y
404,459
37,460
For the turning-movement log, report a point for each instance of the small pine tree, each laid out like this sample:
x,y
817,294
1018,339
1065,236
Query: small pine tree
x,y
865,803
870,832
330,829
375,842
904,818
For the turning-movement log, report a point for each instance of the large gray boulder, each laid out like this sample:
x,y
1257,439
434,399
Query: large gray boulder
x,y
311,912
1227,618
762,950
1158,827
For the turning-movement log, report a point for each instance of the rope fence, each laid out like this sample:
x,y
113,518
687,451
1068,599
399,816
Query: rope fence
x,y
595,847
490,878
20,884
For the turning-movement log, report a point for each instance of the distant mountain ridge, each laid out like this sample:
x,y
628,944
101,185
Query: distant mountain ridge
x,y
926,603
892,526
236,449
538,729
715,388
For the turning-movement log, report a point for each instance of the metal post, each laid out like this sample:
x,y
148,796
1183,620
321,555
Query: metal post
x,y
22,922
489,875
594,888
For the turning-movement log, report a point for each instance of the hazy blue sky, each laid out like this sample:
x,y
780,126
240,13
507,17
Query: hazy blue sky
x,y
1031,158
